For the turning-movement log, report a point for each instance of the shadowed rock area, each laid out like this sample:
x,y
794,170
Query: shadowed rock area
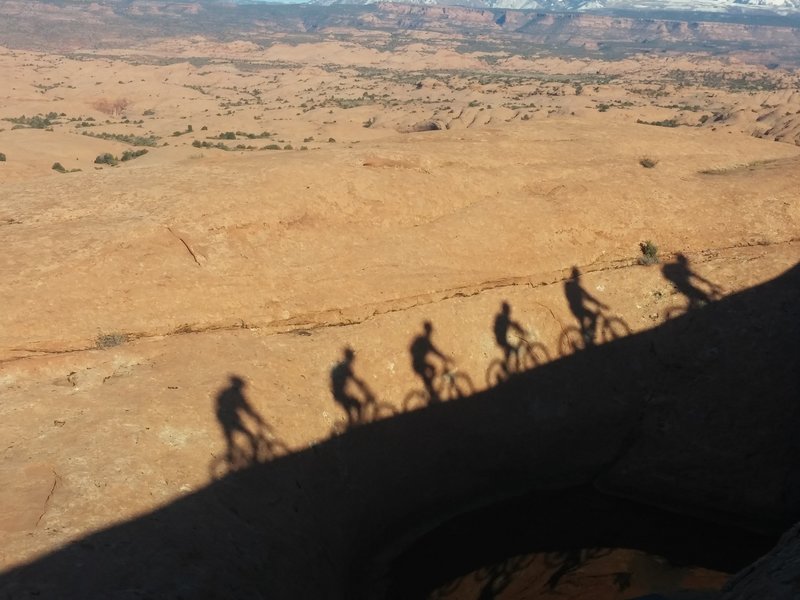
x,y
698,416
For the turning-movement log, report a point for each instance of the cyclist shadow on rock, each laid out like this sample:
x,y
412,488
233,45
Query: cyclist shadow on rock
x,y
686,282
248,438
353,394
518,355
594,325
441,383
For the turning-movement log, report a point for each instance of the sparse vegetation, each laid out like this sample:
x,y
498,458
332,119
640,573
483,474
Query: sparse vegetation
x,y
35,122
106,159
2,157
649,253
647,162
203,144
110,340
663,123
57,166
180,133
131,154
133,140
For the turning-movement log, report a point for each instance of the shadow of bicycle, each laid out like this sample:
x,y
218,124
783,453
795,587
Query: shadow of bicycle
x,y
527,355
608,329
451,384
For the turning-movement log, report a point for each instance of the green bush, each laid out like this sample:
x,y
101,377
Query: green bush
x,y
57,166
664,123
133,140
35,122
2,157
649,253
131,154
106,159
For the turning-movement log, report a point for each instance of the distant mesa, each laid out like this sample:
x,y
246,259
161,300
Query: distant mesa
x,y
782,7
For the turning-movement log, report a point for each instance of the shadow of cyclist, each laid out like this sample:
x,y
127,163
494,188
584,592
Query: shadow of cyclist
x,y
683,278
579,301
503,324
421,348
342,376
232,408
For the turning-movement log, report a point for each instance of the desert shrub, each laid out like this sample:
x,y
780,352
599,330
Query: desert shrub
x,y
133,140
149,112
663,123
57,166
131,154
647,162
649,253
272,147
35,122
109,340
254,136
2,157
288,147
331,141
106,159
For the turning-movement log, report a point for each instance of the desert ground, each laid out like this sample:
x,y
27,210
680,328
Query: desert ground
x,y
305,198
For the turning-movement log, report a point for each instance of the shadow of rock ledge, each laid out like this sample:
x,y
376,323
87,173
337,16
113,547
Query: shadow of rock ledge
x,y
699,415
